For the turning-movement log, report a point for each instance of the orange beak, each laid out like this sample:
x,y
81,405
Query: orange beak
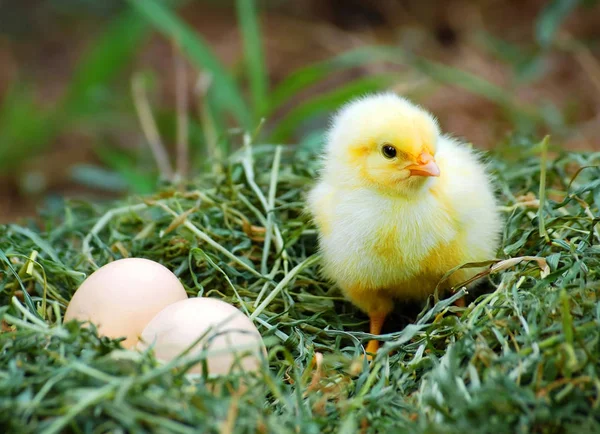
x,y
426,166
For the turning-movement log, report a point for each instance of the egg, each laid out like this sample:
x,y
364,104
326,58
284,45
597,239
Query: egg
x,y
230,339
122,297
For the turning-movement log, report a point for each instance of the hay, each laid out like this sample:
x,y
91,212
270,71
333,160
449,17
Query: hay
x,y
521,357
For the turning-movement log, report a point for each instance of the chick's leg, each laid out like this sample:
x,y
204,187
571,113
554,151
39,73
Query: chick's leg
x,y
377,304
376,324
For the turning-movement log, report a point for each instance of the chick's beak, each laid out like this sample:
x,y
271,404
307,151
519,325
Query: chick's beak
x,y
426,166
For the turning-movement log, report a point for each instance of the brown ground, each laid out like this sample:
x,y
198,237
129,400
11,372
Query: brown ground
x,y
301,32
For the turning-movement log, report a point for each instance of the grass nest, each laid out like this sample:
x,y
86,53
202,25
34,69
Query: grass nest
x,y
523,356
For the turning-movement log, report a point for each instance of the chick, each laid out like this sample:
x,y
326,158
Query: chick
x,y
398,205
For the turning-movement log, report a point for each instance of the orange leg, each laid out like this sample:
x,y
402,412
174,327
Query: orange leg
x,y
377,320
460,302
377,304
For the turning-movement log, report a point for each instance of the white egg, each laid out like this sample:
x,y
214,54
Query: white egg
x,y
231,341
122,297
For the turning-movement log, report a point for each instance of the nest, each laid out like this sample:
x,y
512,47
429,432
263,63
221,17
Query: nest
x,y
522,356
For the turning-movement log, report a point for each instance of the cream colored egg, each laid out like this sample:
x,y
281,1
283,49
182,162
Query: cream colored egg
x,y
122,297
231,341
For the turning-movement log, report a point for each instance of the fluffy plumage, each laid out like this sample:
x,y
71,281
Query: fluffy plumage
x,y
393,222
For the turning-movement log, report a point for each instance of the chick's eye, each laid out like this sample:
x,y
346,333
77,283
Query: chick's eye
x,y
388,151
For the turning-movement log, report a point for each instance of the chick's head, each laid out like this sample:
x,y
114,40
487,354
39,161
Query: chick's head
x,y
383,142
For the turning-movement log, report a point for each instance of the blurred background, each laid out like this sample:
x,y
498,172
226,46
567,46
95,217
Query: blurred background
x,y
93,94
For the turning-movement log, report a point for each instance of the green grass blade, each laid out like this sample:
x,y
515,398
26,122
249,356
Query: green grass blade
x,y
199,53
39,241
98,177
101,63
551,18
465,80
122,164
520,113
542,192
307,76
253,53
325,103
567,318
28,301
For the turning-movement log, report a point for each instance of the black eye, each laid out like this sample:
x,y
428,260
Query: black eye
x,y
388,151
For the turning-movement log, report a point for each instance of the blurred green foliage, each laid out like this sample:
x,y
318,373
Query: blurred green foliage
x,y
239,99
26,127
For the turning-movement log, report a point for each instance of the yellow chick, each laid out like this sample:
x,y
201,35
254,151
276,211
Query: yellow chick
x,y
398,205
